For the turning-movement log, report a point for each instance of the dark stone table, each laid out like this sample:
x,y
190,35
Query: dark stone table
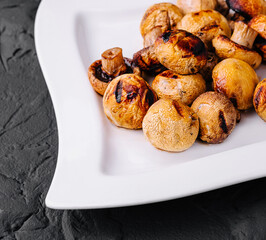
x,y
28,138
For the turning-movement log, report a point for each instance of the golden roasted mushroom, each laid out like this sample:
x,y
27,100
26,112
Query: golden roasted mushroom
x,y
181,52
170,125
157,19
184,88
195,5
258,24
217,116
248,8
259,99
237,80
127,100
239,46
205,24
112,64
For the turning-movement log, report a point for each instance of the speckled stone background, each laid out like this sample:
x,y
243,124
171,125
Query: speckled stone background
x,y
28,139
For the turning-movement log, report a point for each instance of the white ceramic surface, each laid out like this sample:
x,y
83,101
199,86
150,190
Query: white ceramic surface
x,y
100,165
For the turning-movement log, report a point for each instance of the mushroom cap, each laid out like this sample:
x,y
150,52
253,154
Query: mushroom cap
x,y
258,23
205,24
164,15
100,80
127,100
181,52
226,48
170,125
237,80
247,8
195,5
184,88
217,116
259,99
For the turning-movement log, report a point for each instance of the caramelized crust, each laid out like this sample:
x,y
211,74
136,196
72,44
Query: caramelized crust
x,y
181,52
247,8
127,100
258,23
217,116
236,80
225,48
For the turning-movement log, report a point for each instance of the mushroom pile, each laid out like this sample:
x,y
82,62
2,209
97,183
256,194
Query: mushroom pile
x,y
199,57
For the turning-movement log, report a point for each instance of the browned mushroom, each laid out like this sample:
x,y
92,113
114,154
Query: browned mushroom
x,y
195,5
247,8
217,116
259,99
206,71
258,24
127,100
112,64
239,46
206,25
181,52
170,125
237,80
157,19
184,88
260,45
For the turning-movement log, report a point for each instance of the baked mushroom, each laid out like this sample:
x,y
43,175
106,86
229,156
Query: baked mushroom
x,y
258,24
170,125
247,8
181,52
205,24
222,7
217,116
127,100
147,61
239,46
112,64
157,19
184,88
237,80
259,99
195,5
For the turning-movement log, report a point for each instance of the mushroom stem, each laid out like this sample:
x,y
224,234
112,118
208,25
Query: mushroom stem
x,y
243,34
113,62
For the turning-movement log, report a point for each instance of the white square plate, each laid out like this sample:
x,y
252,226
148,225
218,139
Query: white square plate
x,y
100,165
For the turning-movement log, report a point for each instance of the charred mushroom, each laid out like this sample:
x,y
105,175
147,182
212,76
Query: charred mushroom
x,y
184,88
239,46
195,5
181,52
205,24
147,60
112,64
247,8
170,125
157,19
259,99
127,100
237,80
217,116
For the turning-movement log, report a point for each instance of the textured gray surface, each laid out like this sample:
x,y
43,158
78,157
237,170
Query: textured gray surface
x,y
28,139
